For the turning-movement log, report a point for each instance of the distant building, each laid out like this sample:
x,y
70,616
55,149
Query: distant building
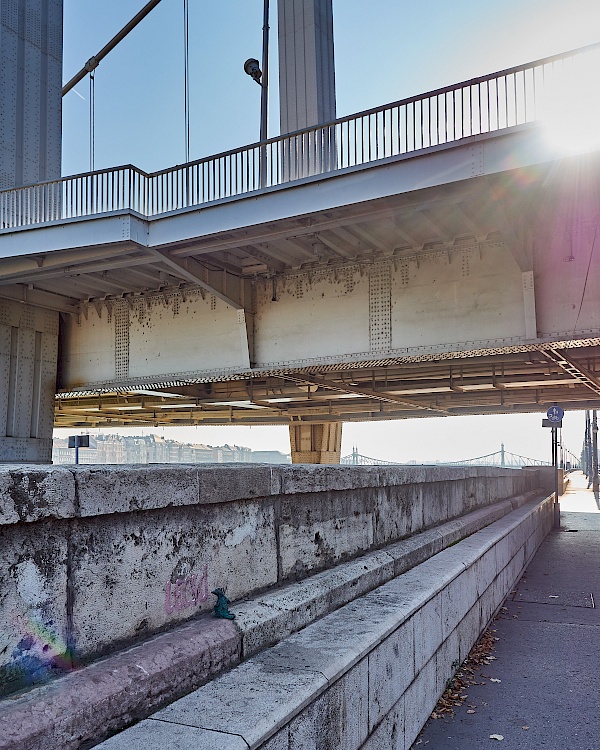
x,y
270,457
153,449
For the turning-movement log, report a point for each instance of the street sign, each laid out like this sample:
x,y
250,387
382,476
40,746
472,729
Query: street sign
x,y
555,413
79,441
548,423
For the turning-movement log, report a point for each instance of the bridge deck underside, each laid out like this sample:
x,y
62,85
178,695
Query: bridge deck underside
x,y
525,381
442,296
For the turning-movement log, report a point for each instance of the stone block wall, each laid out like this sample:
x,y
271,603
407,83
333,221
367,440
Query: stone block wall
x,y
94,558
367,676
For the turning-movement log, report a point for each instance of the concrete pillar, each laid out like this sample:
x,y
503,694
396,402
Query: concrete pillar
x,y
28,357
306,70
316,443
30,152
30,91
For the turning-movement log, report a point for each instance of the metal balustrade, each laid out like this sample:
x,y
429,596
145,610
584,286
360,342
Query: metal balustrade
x,y
481,105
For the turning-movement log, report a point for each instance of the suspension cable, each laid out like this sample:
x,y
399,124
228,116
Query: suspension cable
x,y
186,81
93,62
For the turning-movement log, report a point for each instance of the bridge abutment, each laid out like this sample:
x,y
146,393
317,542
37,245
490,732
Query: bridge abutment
x,y
28,358
30,152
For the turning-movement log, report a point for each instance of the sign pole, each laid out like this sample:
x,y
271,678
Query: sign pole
x,y
555,464
595,453
554,416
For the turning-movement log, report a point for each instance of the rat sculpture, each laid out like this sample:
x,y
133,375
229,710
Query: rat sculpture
x,y
221,608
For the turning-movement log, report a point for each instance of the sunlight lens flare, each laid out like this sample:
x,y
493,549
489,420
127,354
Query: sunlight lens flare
x,y
570,104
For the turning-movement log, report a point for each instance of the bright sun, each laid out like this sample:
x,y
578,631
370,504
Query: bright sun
x,y
570,104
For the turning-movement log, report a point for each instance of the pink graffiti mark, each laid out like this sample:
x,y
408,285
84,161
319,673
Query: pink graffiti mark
x,y
186,592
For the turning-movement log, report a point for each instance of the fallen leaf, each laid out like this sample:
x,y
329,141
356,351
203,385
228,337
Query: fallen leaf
x,y
470,711
524,727
495,679
552,596
496,737
466,674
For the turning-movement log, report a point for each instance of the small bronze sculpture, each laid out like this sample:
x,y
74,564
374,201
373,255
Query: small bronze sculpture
x,y
221,608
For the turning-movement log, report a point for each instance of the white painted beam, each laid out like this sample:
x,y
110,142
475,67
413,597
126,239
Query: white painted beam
x,y
39,298
196,273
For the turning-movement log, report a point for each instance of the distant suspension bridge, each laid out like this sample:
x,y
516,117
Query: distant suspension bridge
x,y
501,458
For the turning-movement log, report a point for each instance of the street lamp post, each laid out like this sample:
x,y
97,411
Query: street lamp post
x,y
261,76
264,94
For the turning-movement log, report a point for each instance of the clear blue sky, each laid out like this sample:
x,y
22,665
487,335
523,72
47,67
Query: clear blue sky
x,y
384,49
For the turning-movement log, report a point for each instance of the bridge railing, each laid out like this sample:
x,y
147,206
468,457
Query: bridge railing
x,y
505,99
73,197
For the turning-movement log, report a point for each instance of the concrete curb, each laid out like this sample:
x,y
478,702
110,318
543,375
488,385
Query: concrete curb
x,y
79,709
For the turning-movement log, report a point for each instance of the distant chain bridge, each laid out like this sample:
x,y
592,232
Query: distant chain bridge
x,y
502,458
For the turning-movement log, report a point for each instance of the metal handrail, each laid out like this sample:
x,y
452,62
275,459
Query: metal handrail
x,y
480,105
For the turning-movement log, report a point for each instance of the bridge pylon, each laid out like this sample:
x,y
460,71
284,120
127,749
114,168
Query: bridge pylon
x,y
316,443
30,152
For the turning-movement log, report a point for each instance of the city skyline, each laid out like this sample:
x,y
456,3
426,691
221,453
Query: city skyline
x,y
401,441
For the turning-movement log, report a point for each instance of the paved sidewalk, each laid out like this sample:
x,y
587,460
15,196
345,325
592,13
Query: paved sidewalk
x,y
547,653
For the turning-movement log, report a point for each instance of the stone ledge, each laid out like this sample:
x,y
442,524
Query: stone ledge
x,y
267,619
31,493
87,491
112,692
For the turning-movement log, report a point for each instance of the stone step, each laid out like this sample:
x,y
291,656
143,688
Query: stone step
x,y
88,704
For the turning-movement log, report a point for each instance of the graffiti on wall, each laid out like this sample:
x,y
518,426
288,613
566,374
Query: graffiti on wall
x,y
186,592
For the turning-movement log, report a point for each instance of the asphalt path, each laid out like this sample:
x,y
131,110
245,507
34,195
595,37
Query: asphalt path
x,y
542,690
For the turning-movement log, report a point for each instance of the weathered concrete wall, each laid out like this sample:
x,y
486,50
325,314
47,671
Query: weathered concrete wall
x,y
91,558
367,676
546,478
